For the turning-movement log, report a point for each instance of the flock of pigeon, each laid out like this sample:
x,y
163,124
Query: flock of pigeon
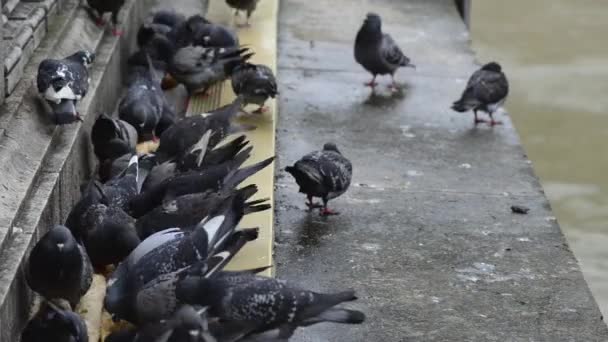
x,y
164,223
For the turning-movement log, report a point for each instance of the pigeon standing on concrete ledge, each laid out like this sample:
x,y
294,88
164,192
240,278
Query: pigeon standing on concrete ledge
x,y
104,6
256,83
243,5
486,90
62,83
326,174
377,52
59,267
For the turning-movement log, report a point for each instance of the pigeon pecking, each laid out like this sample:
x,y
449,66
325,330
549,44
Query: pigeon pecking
x,y
486,90
377,52
256,83
59,267
62,83
326,174
250,304
56,324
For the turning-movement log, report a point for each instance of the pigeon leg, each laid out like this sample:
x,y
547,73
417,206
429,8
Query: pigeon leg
x,y
394,87
326,211
494,122
371,83
311,205
115,30
477,120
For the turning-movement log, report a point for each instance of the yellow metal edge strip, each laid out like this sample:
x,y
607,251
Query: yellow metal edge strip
x,y
261,37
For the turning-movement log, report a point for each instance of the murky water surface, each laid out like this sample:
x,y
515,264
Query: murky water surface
x,y
556,57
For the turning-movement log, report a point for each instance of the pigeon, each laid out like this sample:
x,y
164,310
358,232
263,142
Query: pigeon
x,y
53,323
159,22
185,211
258,304
91,194
256,83
62,83
120,190
225,177
143,104
486,90
243,5
198,68
219,155
104,6
111,235
198,31
141,288
178,139
326,174
58,267
186,325
112,138
377,52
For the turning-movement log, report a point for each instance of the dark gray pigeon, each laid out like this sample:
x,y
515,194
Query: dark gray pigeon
x,y
256,83
100,7
221,177
185,211
243,5
259,304
142,287
56,324
377,52
143,104
178,140
198,31
62,83
198,68
110,235
186,325
58,267
326,174
112,138
486,91
159,22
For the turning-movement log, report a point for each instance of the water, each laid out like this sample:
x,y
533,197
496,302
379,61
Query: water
x,y
555,55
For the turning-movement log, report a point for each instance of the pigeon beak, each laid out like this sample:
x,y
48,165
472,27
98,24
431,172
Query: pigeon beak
x,y
60,246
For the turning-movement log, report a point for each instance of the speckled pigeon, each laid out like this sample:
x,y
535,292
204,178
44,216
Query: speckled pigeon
x,y
377,52
198,68
105,6
56,324
486,90
256,83
326,174
62,83
260,304
142,287
58,267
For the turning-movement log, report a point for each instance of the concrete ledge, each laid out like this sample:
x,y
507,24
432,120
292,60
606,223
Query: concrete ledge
x,y
43,165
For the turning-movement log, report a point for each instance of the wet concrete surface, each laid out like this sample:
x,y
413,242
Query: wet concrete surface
x,y
426,235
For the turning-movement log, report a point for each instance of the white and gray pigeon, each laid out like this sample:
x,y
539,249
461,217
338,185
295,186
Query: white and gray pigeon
x,y
58,267
243,5
377,52
142,289
64,82
326,174
256,83
251,304
486,91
